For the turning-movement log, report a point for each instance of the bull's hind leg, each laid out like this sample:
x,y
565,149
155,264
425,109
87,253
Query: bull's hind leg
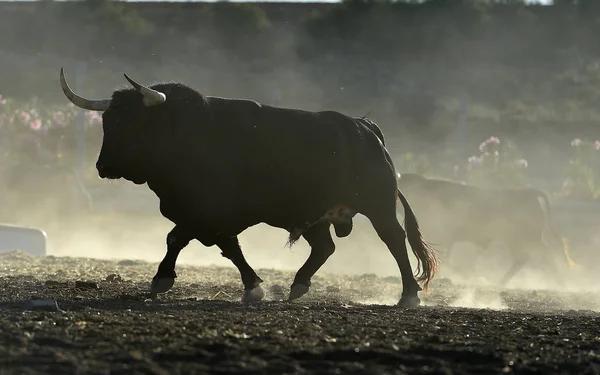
x,y
519,257
163,281
321,248
230,248
393,235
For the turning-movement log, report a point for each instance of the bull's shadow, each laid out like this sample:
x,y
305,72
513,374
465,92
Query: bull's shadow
x,y
452,212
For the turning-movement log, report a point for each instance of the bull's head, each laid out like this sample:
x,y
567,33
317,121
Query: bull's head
x,y
122,153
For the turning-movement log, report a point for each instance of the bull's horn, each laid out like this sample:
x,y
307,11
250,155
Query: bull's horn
x,y
80,101
151,97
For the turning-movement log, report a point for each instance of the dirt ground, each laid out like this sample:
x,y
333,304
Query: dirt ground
x,y
63,315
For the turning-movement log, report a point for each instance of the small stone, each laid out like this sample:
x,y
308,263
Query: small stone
x,y
332,289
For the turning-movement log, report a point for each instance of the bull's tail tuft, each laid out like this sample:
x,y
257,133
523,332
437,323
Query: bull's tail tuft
x,y
427,260
570,263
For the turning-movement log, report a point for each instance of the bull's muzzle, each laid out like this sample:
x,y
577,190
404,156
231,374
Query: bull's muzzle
x,y
101,170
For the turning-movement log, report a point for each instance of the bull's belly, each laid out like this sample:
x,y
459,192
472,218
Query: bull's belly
x,y
295,201
234,222
335,214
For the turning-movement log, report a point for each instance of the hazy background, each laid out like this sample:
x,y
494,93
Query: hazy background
x,y
438,77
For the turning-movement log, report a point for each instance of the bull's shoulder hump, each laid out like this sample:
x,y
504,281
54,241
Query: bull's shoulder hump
x,y
218,100
317,117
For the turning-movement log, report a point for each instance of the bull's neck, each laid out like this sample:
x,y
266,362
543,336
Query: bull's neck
x,y
158,176
159,187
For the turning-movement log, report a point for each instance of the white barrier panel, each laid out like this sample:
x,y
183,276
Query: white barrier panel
x,y
28,240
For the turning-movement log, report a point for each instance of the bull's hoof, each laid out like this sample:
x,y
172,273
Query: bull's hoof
x,y
297,291
253,295
161,285
409,302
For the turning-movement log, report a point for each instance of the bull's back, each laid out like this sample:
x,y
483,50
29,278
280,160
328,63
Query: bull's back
x,y
294,135
309,146
299,158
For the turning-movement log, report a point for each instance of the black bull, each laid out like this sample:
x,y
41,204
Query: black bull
x,y
454,211
219,166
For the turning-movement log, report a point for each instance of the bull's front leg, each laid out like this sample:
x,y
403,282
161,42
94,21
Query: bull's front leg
x,y
230,248
163,281
321,248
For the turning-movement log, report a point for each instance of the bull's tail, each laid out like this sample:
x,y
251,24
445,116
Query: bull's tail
x,y
565,244
427,260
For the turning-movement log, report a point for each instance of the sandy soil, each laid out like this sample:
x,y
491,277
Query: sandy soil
x,y
73,315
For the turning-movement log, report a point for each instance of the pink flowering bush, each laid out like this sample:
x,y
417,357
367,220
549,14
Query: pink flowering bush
x,y
497,164
580,182
37,135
